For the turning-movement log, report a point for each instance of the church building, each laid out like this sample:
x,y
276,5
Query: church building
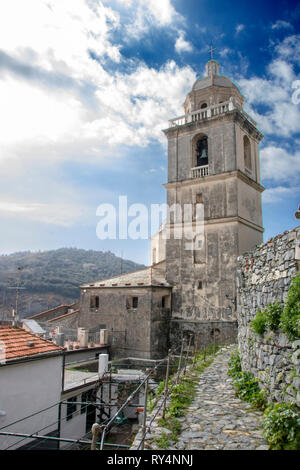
x,y
213,159
190,288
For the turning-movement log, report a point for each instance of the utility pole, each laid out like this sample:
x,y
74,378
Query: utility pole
x,y
15,313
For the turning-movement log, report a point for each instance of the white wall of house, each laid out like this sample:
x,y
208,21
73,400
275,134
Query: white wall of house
x,y
73,428
26,388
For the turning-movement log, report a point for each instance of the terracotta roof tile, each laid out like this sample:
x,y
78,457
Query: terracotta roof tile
x,y
16,342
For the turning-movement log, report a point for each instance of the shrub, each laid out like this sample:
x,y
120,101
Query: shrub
x,y
245,384
273,314
282,426
290,317
234,364
259,323
248,389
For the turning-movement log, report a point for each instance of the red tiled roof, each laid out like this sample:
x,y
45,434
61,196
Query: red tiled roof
x,y
16,343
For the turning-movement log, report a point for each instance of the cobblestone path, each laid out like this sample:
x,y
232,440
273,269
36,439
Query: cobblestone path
x,y
217,419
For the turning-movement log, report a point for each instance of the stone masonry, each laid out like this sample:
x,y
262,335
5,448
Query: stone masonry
x,y
216,419
264,277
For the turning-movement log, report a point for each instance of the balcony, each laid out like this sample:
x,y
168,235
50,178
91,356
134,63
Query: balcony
x,y
207,113
199,171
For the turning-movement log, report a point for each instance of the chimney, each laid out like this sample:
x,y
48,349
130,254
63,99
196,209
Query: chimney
x,y
83,337
60,339
103,337
103,364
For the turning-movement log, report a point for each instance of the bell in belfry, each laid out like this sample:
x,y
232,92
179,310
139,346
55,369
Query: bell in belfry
x,y
203,153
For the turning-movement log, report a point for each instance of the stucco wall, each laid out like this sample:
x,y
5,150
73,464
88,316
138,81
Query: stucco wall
x,y
26,388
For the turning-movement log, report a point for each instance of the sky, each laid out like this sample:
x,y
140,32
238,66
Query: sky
x,y
86,87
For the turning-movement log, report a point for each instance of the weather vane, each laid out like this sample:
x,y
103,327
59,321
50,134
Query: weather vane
x,y
211,50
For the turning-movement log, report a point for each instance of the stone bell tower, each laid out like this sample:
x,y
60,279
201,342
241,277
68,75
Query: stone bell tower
x,y
213,159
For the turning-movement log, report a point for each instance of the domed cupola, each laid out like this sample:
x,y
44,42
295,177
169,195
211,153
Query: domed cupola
x,y
212,90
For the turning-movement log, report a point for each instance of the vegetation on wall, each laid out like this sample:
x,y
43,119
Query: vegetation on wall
x,y
269,319
285,318
245,384
282,426
290,318
281,420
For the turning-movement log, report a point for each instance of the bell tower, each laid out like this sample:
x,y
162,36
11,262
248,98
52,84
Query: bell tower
x,y
213,159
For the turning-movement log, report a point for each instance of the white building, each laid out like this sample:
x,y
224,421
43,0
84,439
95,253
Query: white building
x,y
30,381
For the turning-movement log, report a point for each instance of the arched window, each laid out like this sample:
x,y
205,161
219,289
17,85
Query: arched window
x,y
204,105
247,153
201,151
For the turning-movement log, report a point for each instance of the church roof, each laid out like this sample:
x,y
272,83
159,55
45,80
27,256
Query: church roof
x,y
217,80
147,277
213,78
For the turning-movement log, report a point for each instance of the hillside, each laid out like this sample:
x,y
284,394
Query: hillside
x,y
52,277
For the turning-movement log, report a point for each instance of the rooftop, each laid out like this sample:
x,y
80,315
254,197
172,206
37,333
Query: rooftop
x,y
147,277
20,344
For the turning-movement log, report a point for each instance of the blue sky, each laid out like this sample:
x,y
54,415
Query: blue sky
x,y
86,87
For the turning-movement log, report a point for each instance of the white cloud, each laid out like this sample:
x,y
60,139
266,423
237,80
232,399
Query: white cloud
x,y
281,116
162,10
281,24
149,13
239,28
279,165
57,99
181,45
279,193
64,215
225,52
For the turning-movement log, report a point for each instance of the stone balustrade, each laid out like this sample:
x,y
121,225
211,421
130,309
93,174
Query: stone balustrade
x,y
199,171
201,114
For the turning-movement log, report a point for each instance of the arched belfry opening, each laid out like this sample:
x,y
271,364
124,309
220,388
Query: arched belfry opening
x,y
200,150
247,153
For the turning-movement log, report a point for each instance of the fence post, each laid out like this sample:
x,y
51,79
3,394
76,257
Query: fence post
x,y
166,384
214,342
187,354
145,414
180,360
196,346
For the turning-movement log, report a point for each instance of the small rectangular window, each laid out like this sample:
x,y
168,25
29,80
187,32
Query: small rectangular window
x,y
165,301
132,302
94,301
200,285
199,198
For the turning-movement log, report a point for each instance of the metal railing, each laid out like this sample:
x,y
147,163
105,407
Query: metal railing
x,y
103,430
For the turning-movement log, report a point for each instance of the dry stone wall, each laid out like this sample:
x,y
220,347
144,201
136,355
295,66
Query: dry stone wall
x,y
264,276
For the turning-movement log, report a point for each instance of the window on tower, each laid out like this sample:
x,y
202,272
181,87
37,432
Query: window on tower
x,y
247,153
202,151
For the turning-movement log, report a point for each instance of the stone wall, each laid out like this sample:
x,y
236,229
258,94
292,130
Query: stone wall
x,y
132,332
264,276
